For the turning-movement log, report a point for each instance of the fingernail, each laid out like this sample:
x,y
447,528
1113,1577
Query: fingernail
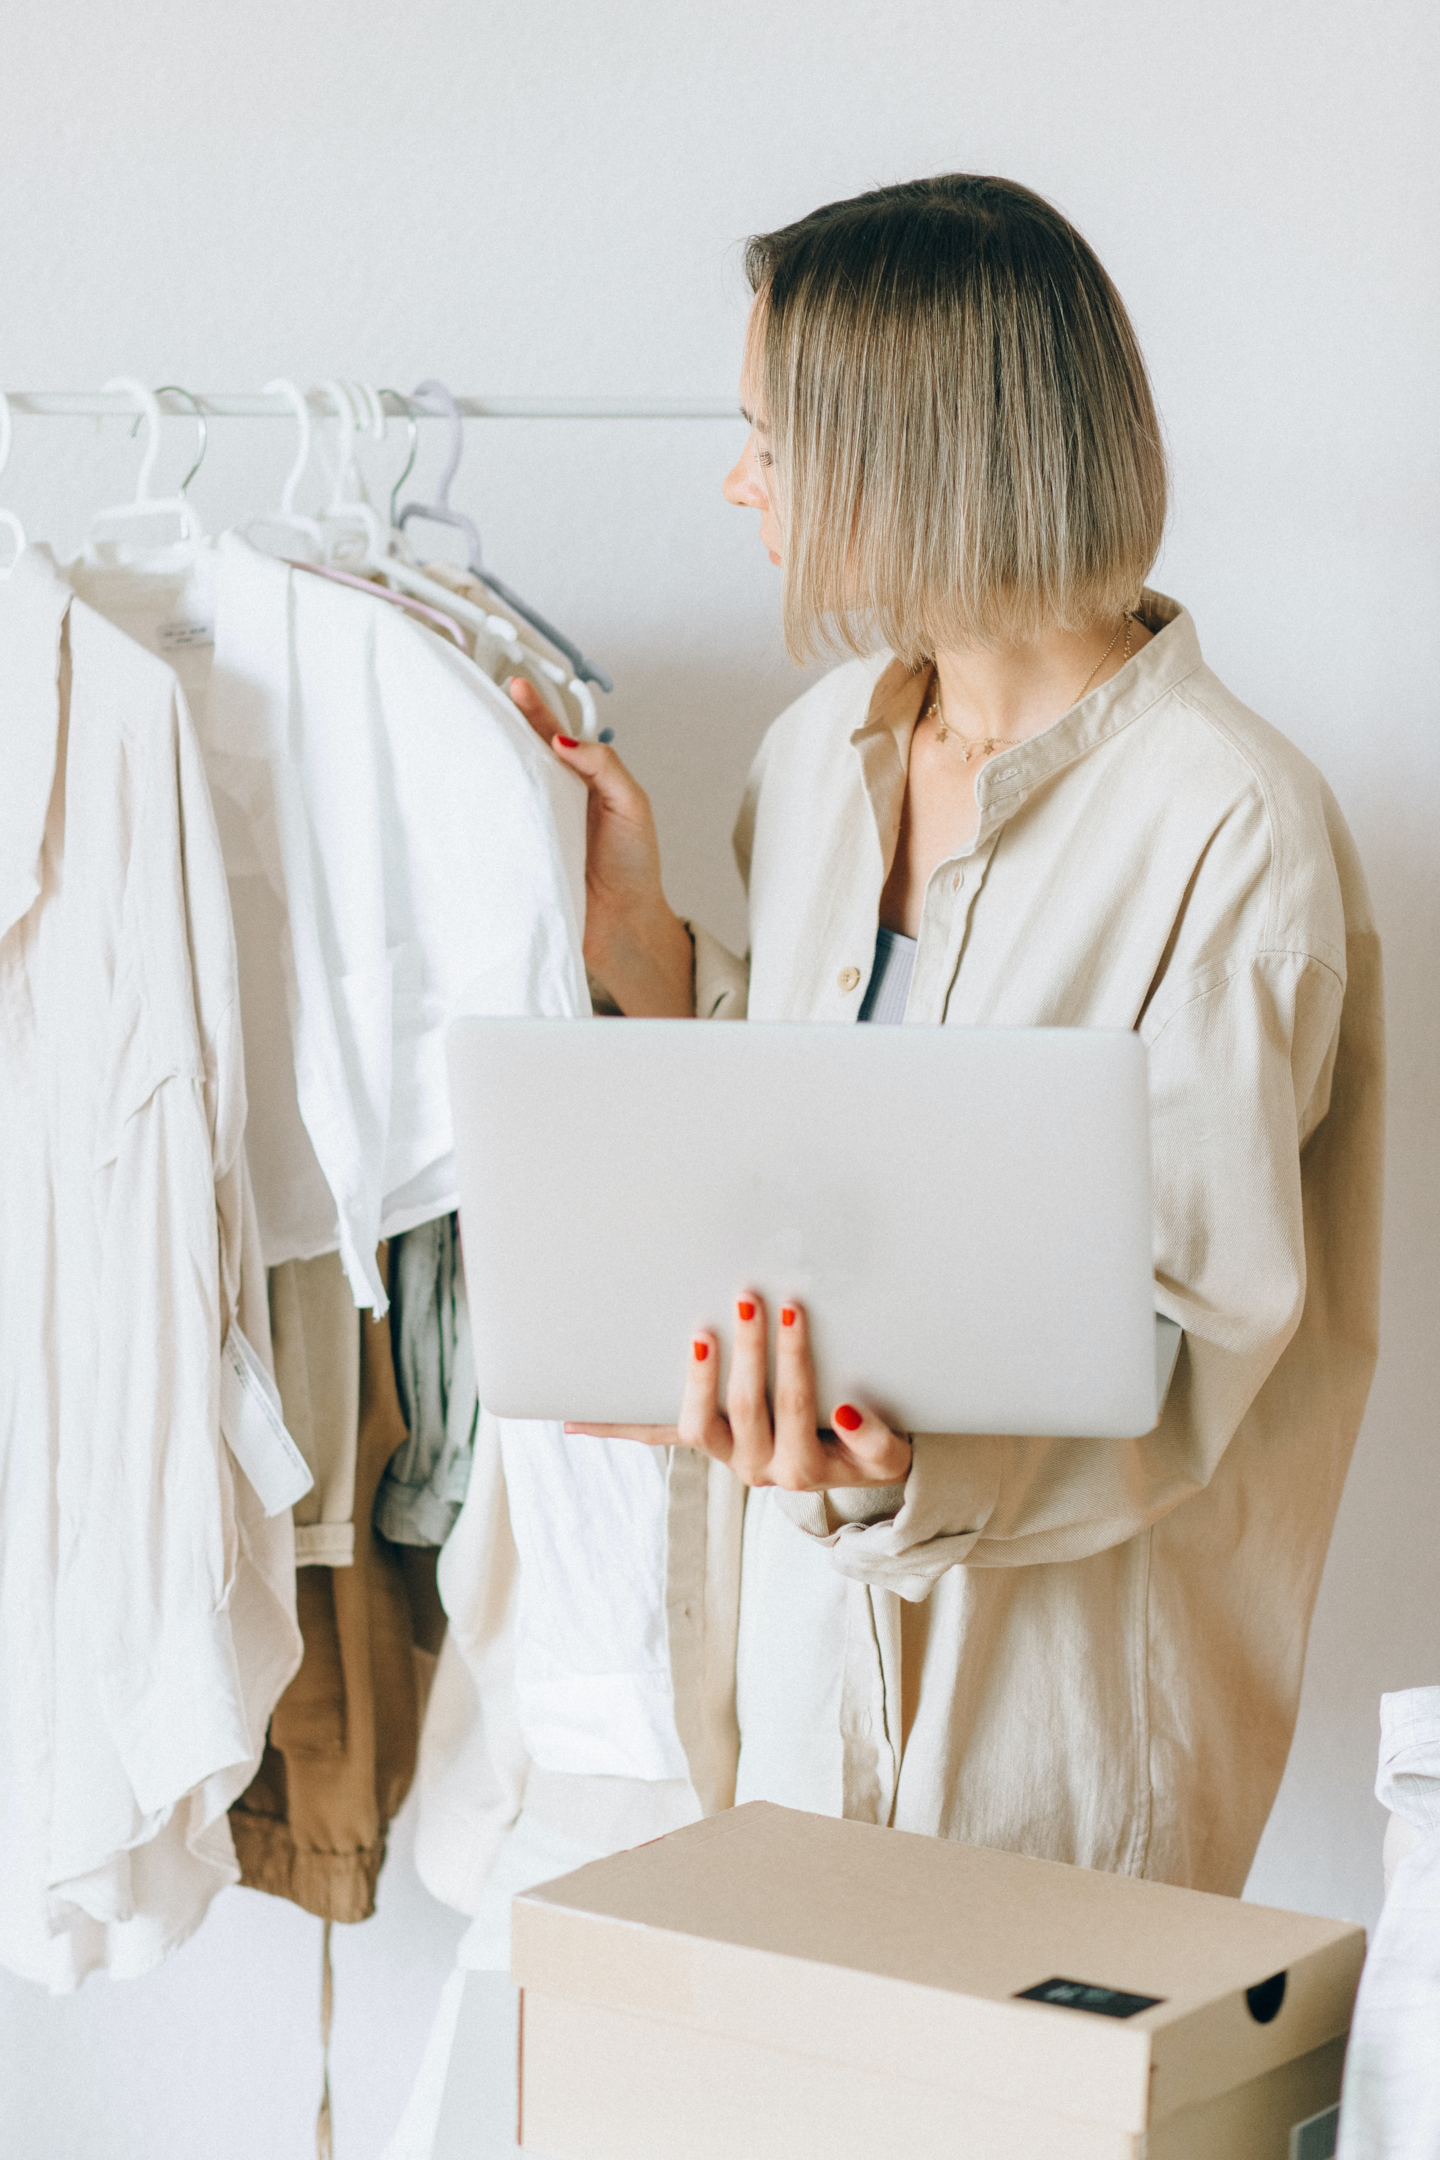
x,y
702,1351
848,1418
745,1309
787,1316
567,742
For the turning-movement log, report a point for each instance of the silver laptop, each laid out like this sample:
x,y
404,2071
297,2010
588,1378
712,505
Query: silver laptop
x,y
964,1213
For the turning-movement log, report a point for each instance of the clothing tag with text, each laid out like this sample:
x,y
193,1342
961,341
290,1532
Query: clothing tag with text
x,y
180,636
254,1427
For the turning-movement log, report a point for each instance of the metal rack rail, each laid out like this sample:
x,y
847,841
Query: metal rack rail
x,y
258,405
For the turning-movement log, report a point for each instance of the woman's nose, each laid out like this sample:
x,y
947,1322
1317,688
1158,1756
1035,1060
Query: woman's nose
x,y
742,488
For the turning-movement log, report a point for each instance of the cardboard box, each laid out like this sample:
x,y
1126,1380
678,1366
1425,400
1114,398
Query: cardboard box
x,y
769,1985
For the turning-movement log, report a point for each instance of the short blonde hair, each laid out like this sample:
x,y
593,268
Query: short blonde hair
x,y
964,440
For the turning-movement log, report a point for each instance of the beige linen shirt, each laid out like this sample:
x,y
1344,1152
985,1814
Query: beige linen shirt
x,y
1099,1649
147,1603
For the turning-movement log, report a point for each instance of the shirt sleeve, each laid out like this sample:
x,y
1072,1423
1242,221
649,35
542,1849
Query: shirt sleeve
x,y
1240,1076
159,1532
722,981
164,1523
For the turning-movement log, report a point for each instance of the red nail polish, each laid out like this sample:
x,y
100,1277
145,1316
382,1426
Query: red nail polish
x,y
787,1316
745,1309
702,1351
848,1418
567,742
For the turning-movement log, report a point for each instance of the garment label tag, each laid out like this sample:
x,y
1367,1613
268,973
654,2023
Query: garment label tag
x,y
254,1427
179,636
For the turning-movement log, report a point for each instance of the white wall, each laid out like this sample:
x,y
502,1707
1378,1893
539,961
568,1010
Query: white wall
x,y
546,198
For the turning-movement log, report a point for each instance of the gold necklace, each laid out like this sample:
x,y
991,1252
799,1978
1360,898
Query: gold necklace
x,y
989,744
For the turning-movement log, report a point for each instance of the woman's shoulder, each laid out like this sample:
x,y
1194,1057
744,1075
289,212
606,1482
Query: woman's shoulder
x,y
1268,811
1242,750
829,711
805,784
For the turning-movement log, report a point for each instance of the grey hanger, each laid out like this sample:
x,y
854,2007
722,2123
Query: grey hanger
x,y
414,426
439,512
176,389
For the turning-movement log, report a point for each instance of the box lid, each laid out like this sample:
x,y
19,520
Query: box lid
x,y
1098,1996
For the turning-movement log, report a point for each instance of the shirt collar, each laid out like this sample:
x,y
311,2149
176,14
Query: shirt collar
x,y
883,739
33,602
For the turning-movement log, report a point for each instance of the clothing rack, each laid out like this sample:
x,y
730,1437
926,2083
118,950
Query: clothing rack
x,y
258,405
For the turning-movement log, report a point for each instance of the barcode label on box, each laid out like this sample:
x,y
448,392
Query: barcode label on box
x,y
1315,2138
1086,1995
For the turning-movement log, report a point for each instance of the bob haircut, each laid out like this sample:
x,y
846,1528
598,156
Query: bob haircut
x,y
965,445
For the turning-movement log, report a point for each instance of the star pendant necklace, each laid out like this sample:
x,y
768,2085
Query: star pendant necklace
x,y
987,745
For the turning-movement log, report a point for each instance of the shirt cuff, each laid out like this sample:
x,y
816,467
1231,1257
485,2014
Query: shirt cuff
x,y
722,982
863,1504
943,1508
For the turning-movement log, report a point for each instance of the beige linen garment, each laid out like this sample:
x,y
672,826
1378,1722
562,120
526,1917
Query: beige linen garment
x,y
147,1604
1099,1651
315,1333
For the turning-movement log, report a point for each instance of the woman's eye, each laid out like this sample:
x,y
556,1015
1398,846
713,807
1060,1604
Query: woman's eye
x,y
764,458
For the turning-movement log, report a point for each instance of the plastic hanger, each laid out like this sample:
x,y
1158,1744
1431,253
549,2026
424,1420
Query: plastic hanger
x,y
8,518
439,512
357,539
287,519
409,466
145,505
445,624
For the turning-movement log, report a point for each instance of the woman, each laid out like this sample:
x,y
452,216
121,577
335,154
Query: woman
x,y
1028,803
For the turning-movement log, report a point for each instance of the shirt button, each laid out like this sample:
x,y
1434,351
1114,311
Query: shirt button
x,y
957,881
848,978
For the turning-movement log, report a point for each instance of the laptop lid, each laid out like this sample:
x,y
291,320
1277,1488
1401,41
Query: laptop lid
x,y
964,1212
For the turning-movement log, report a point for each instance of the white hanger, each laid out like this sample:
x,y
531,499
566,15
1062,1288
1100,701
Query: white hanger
x,y
287,519
8,518
401,560
359,539
145,504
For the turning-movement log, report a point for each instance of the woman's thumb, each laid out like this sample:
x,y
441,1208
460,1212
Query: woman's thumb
x,y
527,699
593,762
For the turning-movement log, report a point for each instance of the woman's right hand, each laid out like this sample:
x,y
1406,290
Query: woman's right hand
x,y
634,944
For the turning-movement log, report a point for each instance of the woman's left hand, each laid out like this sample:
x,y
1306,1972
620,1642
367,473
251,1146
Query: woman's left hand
x,y
789,1448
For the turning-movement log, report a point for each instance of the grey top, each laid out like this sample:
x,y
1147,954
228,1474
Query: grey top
x,y
423,1489
890,979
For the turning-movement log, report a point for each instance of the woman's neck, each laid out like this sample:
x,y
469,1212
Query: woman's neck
x,y
1009,692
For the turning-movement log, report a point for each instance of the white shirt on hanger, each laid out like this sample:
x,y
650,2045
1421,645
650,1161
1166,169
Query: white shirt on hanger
x,y
401,847
148,1601
431,855
1391,2103
427,855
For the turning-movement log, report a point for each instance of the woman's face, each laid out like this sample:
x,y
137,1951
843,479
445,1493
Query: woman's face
x,y
748,484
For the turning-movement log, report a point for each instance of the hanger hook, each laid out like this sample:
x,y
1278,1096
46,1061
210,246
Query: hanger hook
x,y
444,397
294,397
339,394
414,426
179,390
149,410
369,401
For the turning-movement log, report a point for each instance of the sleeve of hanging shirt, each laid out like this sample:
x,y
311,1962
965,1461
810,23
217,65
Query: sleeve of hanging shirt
x,y
158,1544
